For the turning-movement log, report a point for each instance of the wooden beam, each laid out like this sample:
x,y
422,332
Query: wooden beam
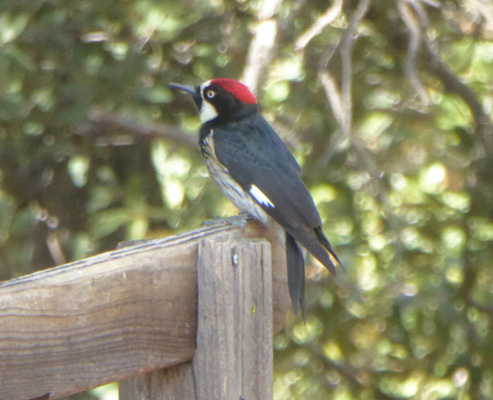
x,y
111,316
173,383
233,359
234,336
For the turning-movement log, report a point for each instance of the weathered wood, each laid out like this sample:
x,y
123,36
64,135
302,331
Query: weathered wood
x,y
173,383
233,359
111,316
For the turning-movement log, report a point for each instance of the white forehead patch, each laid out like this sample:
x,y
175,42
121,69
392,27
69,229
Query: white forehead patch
x,y
260,196
204,85
207,112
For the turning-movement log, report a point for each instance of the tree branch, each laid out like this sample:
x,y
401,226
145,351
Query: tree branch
x,y
452,84
318,26
415,29
349,373
329,84
346,49
341,101
108,123
263,45
418,23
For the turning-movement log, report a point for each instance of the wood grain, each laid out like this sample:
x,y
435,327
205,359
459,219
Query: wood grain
x,y
233,359
111,316
173,383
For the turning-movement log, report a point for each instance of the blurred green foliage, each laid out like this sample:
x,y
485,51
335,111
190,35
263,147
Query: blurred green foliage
x,y
406,199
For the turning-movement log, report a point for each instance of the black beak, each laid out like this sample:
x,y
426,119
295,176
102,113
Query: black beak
x,y
185,88
193,90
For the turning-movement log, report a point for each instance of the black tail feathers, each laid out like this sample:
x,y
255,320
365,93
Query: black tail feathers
x,y
322,250
325,242
296,274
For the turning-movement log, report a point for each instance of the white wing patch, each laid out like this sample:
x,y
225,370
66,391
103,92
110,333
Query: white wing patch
x,y
233,191
260,196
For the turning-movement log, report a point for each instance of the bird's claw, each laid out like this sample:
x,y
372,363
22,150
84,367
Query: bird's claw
x,y
129,243
239,220
210,222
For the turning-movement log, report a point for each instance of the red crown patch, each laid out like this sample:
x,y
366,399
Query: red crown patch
x,y
237,89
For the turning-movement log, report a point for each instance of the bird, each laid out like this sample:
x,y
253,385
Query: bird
x,y
257,172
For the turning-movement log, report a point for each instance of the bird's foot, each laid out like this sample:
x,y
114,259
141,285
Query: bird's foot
x,y
215,221
239,220
129,243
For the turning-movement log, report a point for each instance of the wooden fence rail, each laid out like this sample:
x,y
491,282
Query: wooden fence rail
x,y
203,305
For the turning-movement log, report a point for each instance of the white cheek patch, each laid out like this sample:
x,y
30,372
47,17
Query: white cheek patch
x,y
207,112
260,196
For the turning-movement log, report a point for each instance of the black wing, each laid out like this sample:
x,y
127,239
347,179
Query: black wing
x,y
255,155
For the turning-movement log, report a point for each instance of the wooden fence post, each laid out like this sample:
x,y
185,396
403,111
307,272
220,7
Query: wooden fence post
x,y
134,310
233,359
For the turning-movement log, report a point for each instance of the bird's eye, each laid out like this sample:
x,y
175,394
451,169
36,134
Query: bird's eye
x,y
210,94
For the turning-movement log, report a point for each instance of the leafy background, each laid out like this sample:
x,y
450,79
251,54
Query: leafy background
x,y
387,106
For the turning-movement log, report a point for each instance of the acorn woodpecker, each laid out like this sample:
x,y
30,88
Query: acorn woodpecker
x,y
256,171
